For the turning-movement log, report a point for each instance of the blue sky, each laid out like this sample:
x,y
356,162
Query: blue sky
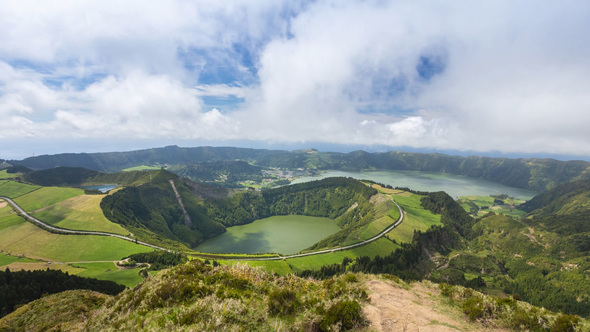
x,y
488,77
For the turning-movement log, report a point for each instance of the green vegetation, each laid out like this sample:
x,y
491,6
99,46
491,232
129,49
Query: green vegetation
x,y
415,218
12,189
534,174
80,213
200,297
158,260
65,311
152,212
142,168
128,277
5,175
6,259
20,287
20,237
46,196
479,206
508,312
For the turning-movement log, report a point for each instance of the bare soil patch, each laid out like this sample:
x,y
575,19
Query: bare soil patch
x,y
419,308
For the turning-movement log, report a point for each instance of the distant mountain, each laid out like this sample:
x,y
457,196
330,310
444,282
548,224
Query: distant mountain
x,y
534,174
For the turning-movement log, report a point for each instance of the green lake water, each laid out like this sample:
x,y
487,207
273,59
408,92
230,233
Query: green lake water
x,y
280,234
454,185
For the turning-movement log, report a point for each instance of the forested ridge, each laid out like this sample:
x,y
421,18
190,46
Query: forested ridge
x,y
20,287
535,174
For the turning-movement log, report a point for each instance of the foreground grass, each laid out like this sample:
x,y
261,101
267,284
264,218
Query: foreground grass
x,y
81,212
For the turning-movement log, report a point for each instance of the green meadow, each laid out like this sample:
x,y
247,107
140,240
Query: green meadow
x,y
19,237
6,259
80,213
415,218
380,247
142,168
6,175
109,271
12,189
479,206
46,196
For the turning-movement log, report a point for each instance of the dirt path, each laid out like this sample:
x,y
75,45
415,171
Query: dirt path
x,y
393,308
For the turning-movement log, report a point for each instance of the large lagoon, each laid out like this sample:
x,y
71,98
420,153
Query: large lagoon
x,y
454,185
281,234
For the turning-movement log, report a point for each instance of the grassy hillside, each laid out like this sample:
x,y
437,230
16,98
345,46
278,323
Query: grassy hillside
x,y
197,296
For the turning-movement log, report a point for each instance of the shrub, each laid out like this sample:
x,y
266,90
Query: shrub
x,y
473,308
347,314
565,323
283,301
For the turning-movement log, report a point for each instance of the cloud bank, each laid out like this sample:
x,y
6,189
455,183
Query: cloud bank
x,y
481,76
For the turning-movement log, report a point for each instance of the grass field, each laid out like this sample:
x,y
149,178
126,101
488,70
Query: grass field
x,y
46,196
388,213
80,213
12,189
109,271
142,168
380,247
5,175
416,218
20,237
478,206
8,259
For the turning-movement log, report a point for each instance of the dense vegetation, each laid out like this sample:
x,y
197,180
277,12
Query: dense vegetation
x,y
227,173
20,287
200,297
76,176
153,212
159,259
535,174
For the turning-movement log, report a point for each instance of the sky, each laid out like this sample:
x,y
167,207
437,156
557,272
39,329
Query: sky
x,y
471,77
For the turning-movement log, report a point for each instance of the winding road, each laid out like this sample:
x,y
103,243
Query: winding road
x,y
76,232
385,231
71,231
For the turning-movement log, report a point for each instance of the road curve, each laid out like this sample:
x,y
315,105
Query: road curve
x,y
385,231
71,231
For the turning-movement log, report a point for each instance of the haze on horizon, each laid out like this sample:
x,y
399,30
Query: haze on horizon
x,y
487,77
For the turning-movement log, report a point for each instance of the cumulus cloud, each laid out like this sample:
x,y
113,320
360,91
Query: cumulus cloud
x,y
480,76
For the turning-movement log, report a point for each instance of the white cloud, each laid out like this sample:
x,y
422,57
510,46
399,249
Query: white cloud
x,y
514,76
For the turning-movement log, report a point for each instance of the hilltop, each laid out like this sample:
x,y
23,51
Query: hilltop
x,y
197,296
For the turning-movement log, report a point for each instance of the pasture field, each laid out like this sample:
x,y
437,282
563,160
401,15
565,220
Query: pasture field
x,y
19,237
12,189
386,214
416,218
380,247
81,212
46,196
142,168
6,175
479,206
109,271
6,259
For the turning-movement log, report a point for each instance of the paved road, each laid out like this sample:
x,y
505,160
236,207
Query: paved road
x,y
71,231
385,231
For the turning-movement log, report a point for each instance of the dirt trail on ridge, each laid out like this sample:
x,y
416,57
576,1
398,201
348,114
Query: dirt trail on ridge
x,y
419,308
